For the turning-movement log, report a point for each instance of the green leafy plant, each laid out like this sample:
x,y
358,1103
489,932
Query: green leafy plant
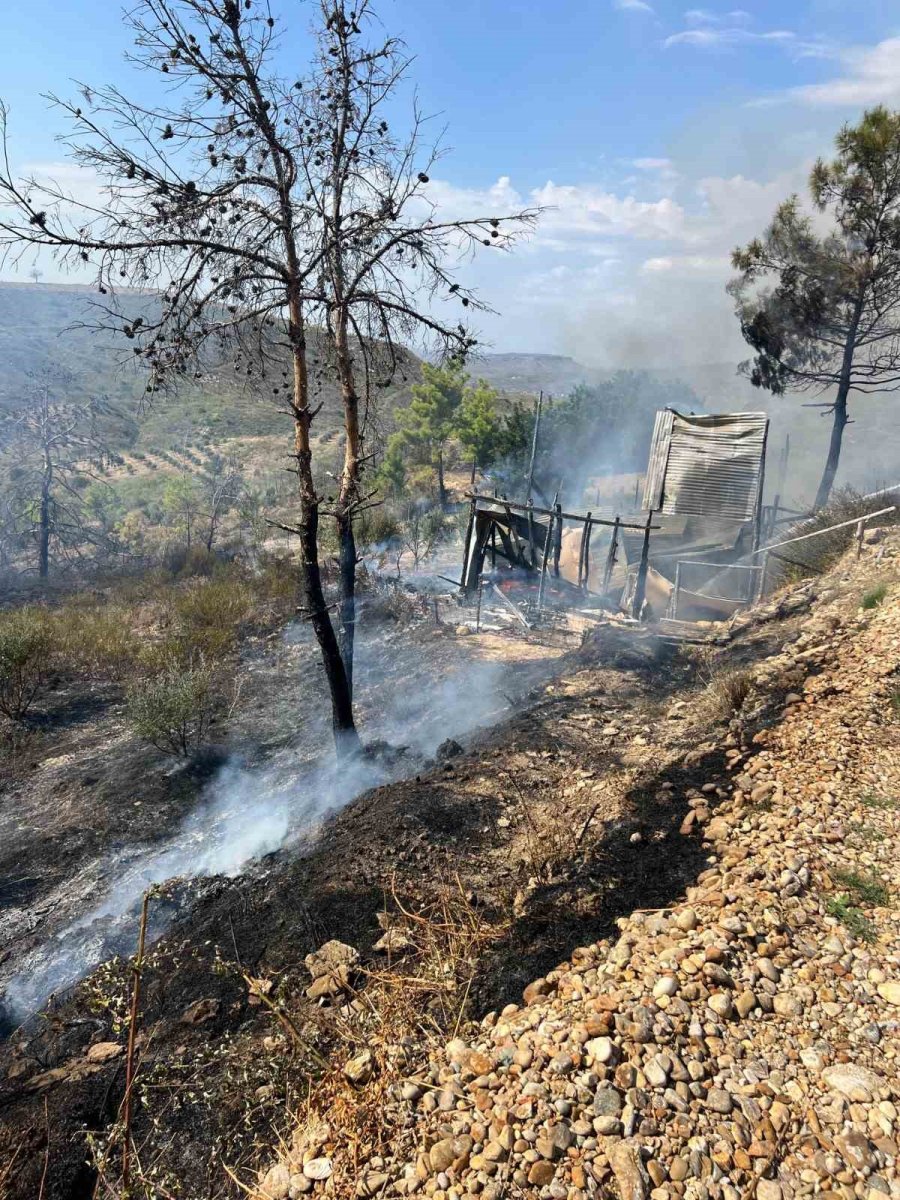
x,y
851,917
867,889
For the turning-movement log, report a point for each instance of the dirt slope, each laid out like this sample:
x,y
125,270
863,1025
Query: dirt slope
x,y
691,1051
742,1040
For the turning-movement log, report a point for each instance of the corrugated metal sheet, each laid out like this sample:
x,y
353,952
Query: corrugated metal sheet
x,y
707,465
659,453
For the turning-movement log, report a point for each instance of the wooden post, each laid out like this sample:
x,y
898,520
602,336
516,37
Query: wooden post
x,y
586,551
676,594
860,530
773,516
478,605
557,541
544,563
534,444
467,546
532,549
640,585
581,550
611,557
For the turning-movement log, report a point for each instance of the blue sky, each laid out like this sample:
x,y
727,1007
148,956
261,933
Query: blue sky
x,y
659,136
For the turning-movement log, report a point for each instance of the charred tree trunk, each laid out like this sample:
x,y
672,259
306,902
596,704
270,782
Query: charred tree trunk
x,y
840,407
442,489
345,736
348,497
44,520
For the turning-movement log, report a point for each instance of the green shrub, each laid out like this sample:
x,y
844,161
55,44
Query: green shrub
x,y
173,709
851,917
866,889
209,615
26,648
874,596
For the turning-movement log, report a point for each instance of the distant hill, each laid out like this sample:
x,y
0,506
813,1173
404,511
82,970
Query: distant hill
x,y
39,329
552,374
42,328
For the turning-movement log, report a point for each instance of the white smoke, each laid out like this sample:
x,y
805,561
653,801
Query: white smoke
x,y
248,812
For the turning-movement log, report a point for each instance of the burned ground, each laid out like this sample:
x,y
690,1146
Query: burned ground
x,y
554,823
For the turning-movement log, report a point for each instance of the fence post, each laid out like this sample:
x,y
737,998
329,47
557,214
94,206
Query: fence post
x,y
640,585
677,591
545,562
468,543
860,529
611,557
761,590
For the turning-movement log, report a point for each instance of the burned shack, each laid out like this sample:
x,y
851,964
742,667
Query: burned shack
x,y
687,555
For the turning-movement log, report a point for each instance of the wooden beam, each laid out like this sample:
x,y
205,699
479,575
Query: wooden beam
x,y
551,512
514,608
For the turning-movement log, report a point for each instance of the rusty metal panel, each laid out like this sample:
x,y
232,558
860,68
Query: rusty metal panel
x,y
712,465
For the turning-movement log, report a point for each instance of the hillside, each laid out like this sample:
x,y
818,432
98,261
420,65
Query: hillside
x,y
639,940
39,331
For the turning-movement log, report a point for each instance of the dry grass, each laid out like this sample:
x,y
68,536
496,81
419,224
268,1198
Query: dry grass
x,y
816,555
725,690
397,1013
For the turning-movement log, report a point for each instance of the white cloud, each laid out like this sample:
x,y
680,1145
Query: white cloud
x,y
633,6
703,16
577,214
871,75
652,164
584,210
714,264
724,37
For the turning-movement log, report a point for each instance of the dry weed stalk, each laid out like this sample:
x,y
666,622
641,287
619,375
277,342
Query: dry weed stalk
x,y
550,840
398,1013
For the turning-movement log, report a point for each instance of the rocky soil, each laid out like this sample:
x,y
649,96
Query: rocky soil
x,y
743,1040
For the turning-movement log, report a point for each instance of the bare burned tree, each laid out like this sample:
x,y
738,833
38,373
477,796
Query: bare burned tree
x,y
385,254
221,485
242,200
56,445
